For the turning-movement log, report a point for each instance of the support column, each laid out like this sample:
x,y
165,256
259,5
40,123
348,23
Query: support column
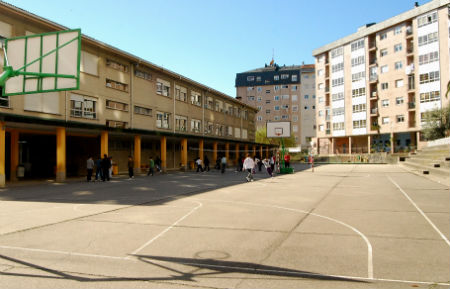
x,y
60,154
332,146
267,152
137,154
254,150
214,152
2,153
227,151
246,150
236,149
201,144
14,155
104,143
369,144
261,152
163,154
349,145
392,142
184,153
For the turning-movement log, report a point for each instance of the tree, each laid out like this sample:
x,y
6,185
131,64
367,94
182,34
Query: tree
x,y
437,123
261,137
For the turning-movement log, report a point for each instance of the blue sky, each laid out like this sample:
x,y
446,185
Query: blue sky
x,y
210,41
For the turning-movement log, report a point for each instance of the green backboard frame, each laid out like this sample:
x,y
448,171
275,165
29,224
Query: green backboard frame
x,y
42,63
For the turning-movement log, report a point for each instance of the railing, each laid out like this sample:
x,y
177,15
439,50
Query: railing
x,y
328,131
373,77
411,105
374,110
412,123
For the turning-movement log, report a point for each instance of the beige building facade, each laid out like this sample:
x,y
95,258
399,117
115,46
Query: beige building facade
x,y
125,106
282,93
374,86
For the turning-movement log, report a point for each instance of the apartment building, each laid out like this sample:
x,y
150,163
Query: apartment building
x,y
282,93
374,86
125,106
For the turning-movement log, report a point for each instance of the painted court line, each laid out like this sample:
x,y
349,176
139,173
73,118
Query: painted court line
x,y
369,245
165,230
421,212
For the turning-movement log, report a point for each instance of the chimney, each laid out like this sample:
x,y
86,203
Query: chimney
x,y
416,4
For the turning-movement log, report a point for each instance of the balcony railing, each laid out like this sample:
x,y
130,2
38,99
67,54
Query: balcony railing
x,y
328,131
412,123
374,110
411,105
373,77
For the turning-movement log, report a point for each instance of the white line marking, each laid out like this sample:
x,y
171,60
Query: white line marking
x,y
62,252
369,245
164,231
420,211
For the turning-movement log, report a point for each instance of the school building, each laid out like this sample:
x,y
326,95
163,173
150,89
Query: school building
x,y
125,106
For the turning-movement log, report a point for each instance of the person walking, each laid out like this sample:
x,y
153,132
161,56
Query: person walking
x,y
130,167
287,160
272,163
110,170
266,164
223,164
198,161
151,166
206,163
90,168
259,162
158,164
106,165
248,165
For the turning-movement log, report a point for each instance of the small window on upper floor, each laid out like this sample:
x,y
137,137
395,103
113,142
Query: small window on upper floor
x,y
383,35
116,65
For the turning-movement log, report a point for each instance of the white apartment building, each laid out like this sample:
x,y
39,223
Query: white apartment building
x,y
374,86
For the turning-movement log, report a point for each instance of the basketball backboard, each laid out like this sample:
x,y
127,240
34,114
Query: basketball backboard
x,y
278,129
42,63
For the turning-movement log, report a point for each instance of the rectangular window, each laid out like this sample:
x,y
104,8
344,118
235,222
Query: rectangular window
x,y
81,106
397,30
294,78
358,92
359,108
340,95
196,98
398,65
358,76
357,45
358,60
337,52
295,118
385,120
400,118
338,111
294,108
427,19
267,111
258,79
267,101
89,63
399,100
285,96
209,103
384,86
430,96
399,83
116,85
294,88
285,87
276,97
294,98
385,103
267,90
276,88
259,118
196,125
162,87
429,77
180,93
337,82
284,76
142,110
384,69
250,78
116,105
383,35
162,120
116,65
397,47
428,38
180,123
428,57
337,67
276,107
359,123
143,74
383,52
116,124
276,77
285,117
338,126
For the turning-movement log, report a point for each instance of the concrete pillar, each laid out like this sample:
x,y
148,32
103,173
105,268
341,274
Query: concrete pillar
x,y
392,142
267,152
227,151
60,154
254,150
236,149
332,146
2,154
369,144
184,154
201,144
349,145
214,152
246,150
14,154
104,143
137,154
163,154
261,152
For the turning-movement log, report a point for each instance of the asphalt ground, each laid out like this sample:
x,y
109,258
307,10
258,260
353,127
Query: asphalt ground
x,y
341,226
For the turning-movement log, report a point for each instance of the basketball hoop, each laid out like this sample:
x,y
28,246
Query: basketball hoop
x,y
278,131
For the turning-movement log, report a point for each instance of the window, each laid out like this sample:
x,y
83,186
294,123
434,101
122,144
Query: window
x,y
81,106
384,86
320,86
429,77
244,133
294,98
230,131
285,87
180,93
428,57
294,77
295,128
285,117
267,101
430,96
320,113
359,124
357,45
383,35
359,108
250,98
399,83
142,110
267,90
180,123
258,79
284,76
209,128
219,105
116,85
399,100
385,103
337,82
250,78
384,69
321,127
116,124
358,92
196,98
306,96
358,60
267,111
294,88
383,52
285,106
259,88
89,63
116,65
237,132
250,88
295,118
385,120
340,95
276,97
276,118
338,126
428,38
163,120
276,107
427,19
322,100
337,67
285,96
259,118
398,65
276,77
397,47
143,74
162,87
196,125
116,105
338,111
306,107
337,52
320,72
397,30
358,76
276,88
400,118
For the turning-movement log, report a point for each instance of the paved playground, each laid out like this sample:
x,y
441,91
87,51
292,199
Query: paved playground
x,y
341,226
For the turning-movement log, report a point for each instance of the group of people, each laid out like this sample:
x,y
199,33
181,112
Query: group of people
x,y
249,164
203,165
103,168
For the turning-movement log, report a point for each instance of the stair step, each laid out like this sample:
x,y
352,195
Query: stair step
x,y
444,172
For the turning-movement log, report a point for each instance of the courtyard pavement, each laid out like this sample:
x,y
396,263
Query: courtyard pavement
x,y
341,226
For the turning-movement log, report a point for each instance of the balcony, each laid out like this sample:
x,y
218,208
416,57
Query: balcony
x,y
374,111
409,32
328,131
411,105
374,95
412,123
375,126
373,61
373,78
372,46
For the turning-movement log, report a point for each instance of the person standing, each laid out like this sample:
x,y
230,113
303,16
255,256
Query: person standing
x,y
198,161
110,170
106,164
90,168
130,167
98,169
266,164
287,160
206,163
272,163
158,164
223,164
151,166
248,165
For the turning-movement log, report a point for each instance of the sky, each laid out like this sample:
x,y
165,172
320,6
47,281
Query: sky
x,y
209,41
